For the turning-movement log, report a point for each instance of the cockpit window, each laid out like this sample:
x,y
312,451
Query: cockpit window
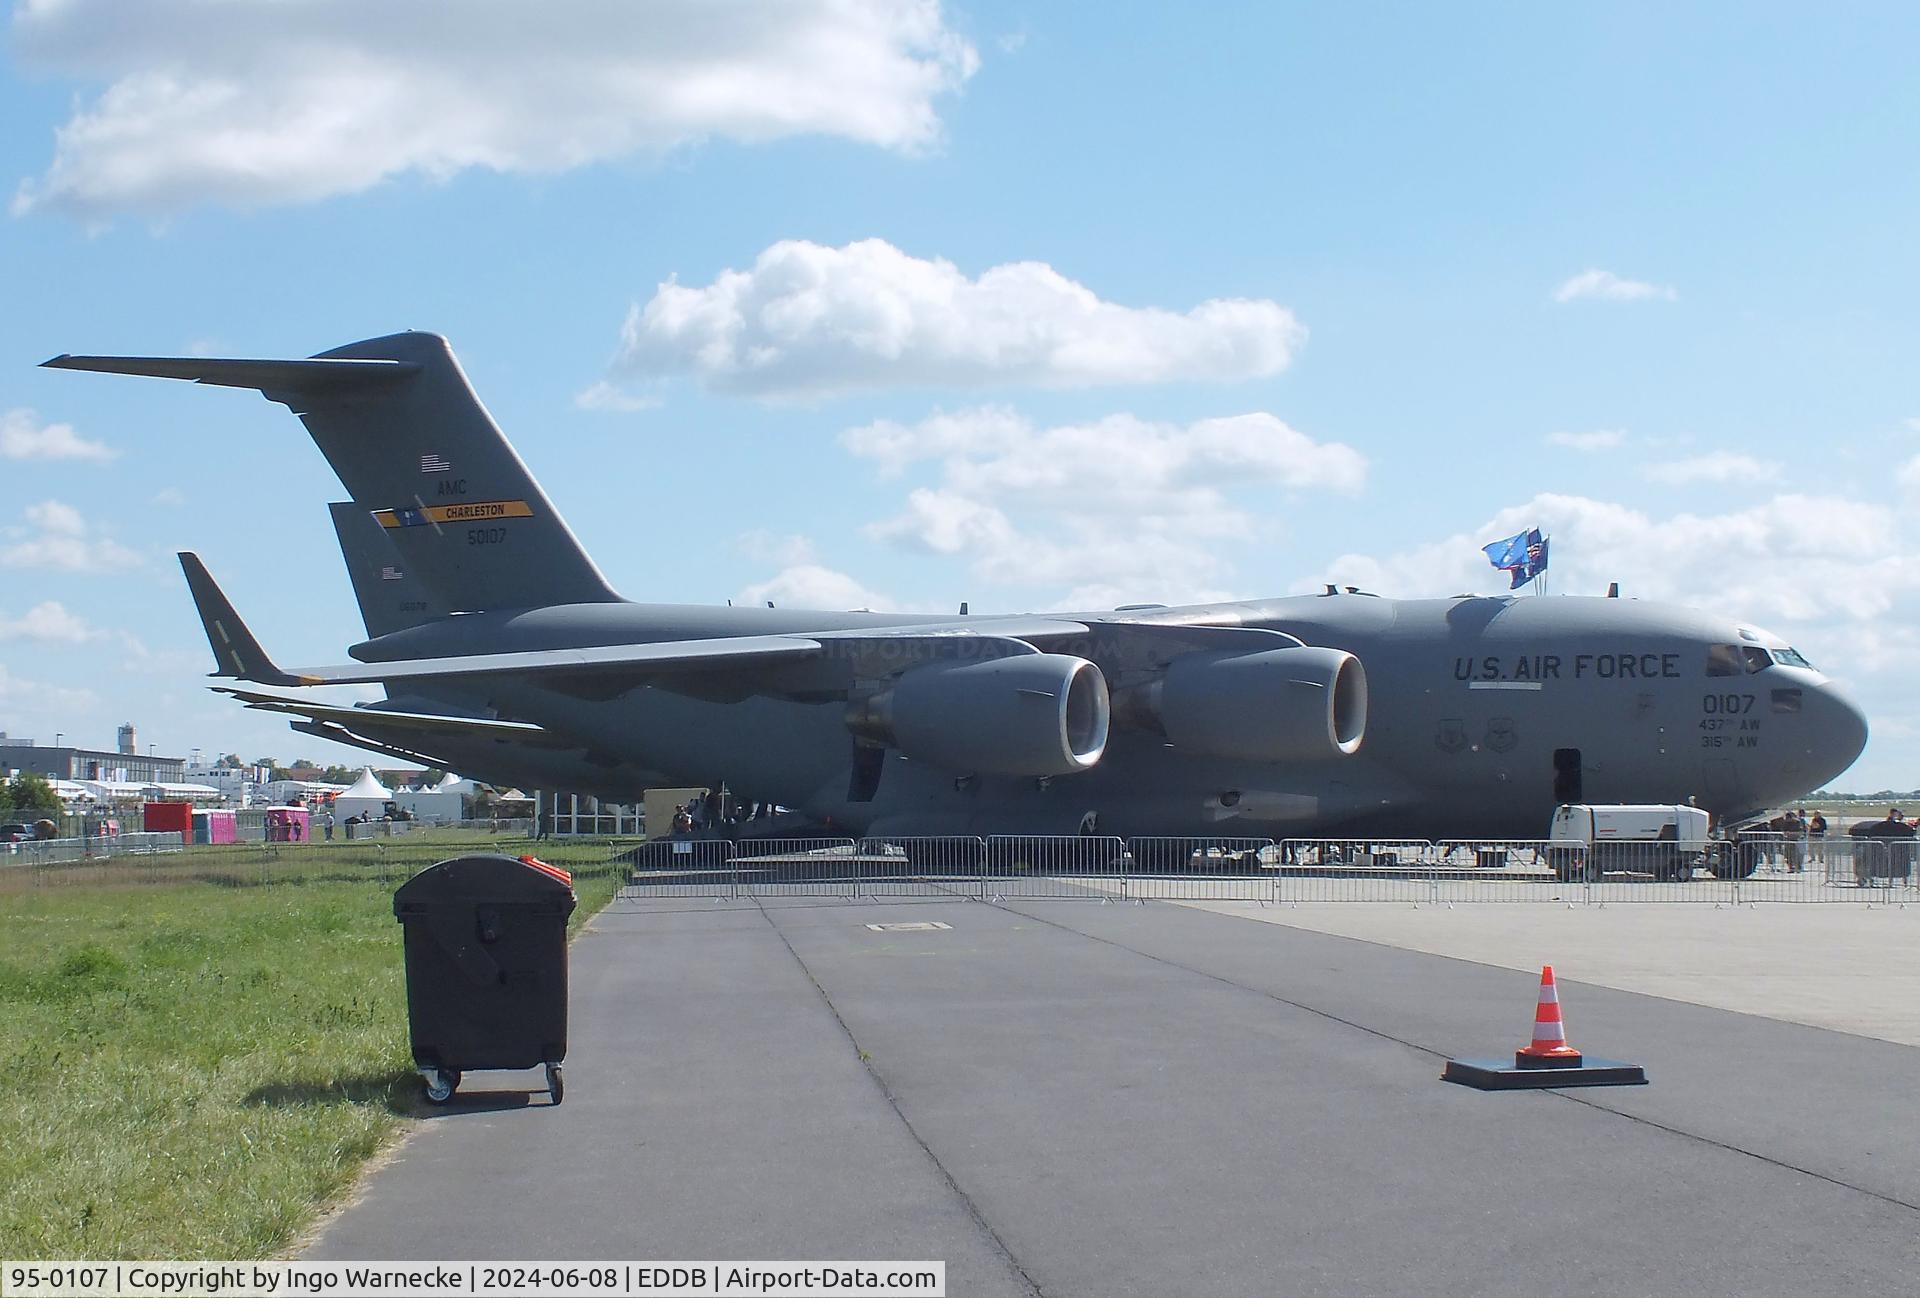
x,y
1792,658
1736,660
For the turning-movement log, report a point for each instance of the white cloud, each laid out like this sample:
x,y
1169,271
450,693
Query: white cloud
x,y
250,104
185,664
169,496
35,703
771,547
946,522
1724,467
1120,509
24,437
1909,475
812,320
58,537
610,398
1792,558
57,518
49,622
1601,439
1117,460
1605,286
809,585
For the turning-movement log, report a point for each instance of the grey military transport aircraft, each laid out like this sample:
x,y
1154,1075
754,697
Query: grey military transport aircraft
x,y
1341,713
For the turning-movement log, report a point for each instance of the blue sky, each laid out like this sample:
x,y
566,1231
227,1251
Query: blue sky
x,y
1020,304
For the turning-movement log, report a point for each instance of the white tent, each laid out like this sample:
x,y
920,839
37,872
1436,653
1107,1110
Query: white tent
x,y
439,802
177,792
365,797
114,790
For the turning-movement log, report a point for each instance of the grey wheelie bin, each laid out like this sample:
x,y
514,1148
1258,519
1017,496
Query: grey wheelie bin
x,y
486,950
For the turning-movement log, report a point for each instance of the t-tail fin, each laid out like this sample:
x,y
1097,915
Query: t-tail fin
x,y
391,598
402,428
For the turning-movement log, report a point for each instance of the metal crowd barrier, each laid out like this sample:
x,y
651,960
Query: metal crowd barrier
x,y
1010,867
1200,869
797,867
950,867
56,851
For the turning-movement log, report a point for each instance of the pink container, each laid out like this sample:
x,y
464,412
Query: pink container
x,y
214,827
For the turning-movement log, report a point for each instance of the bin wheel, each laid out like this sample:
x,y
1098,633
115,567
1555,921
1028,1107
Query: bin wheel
x,y
556,1083
441,1085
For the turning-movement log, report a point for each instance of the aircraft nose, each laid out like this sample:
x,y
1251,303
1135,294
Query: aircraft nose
x,y
1837,733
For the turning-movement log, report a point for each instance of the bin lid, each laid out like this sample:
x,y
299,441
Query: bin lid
x,y
486,878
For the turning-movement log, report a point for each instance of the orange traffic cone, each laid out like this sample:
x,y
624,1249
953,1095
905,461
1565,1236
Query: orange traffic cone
x,y
1549,1048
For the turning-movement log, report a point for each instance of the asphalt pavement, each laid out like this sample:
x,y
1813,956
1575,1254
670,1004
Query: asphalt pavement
x,y
1070,1098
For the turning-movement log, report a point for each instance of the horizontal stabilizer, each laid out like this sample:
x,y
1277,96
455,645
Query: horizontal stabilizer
x,y
268,376
235,651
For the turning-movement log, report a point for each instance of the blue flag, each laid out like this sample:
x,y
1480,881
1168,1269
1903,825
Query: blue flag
x,y
1522,556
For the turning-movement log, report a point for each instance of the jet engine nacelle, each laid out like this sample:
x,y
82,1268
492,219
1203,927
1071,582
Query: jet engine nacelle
x,y
1030,714
1301,704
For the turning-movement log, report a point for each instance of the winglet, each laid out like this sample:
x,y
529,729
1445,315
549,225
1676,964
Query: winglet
x,y
235,652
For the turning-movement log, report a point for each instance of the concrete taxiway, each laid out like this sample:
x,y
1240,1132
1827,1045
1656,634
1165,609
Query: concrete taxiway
x,y
1063,1097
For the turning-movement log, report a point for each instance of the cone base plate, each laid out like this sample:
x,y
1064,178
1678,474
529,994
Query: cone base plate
x,y
1499,1075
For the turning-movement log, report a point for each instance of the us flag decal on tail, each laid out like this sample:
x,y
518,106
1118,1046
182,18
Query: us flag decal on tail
x,y
431,463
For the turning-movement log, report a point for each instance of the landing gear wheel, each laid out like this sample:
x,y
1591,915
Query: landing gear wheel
x,y
556,1083
441,1084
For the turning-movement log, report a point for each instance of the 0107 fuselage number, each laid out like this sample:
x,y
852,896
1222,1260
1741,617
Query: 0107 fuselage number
x,y
1728,712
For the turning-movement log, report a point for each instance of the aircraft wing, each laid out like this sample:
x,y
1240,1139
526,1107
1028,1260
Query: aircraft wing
x,y
238,654
667,657
636,660
422,725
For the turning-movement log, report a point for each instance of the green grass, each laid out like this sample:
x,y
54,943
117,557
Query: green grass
x,y
201,1051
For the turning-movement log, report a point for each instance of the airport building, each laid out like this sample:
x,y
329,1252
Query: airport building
x,y
62,763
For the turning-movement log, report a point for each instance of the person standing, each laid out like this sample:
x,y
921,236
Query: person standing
x,y
1817,839
1795,830
326,825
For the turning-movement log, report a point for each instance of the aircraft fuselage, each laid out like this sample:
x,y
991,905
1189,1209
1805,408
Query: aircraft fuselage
x,y
1484,713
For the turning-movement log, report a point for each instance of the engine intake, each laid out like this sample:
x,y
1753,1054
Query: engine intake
x,y
1300,704
1030,714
